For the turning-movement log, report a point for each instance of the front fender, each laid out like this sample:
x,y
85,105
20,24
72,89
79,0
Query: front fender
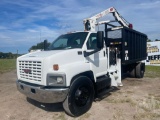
x,y
74,69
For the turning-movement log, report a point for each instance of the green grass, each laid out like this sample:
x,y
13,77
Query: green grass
x,y
7,65
152,71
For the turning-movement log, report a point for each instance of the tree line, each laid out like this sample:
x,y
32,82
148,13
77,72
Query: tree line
x,y
149,40
8,55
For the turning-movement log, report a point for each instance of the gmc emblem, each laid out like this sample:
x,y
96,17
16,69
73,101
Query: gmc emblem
x,y
27,70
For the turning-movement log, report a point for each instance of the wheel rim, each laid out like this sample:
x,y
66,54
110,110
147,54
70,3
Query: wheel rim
x,y
81,96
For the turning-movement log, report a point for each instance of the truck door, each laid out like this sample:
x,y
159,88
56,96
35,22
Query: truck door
x,y
98,60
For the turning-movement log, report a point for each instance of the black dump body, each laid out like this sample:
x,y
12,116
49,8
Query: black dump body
x,y
131,44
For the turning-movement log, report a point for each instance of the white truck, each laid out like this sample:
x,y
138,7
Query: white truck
x,y
80,65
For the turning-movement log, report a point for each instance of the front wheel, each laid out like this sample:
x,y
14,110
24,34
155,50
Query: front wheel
x,y
80,96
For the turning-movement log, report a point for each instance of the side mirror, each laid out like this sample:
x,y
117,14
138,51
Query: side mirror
x,y
87,25
100,41
45,44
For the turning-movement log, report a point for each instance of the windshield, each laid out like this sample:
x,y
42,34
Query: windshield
x,y
69,41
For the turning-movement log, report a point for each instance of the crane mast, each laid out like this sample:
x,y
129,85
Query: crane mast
x,y
91,23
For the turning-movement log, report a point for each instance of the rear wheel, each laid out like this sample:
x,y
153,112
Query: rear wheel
x,y
80,96
132,73
132,70
140,68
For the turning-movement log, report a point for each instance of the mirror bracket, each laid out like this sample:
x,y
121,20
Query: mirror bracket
x,y
86,54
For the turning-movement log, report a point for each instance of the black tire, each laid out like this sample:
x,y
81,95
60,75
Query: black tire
x,y
140,68
132,73
132,70
80,97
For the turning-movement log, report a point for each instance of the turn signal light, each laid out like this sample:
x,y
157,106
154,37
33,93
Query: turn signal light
x,y
55,67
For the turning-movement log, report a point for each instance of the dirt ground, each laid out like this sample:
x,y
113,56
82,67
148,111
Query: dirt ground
x,y
138,99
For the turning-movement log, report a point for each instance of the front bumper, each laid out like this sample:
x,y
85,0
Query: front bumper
x,y
42,94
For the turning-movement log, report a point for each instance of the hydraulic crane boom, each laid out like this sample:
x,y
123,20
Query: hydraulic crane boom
x,y
90,23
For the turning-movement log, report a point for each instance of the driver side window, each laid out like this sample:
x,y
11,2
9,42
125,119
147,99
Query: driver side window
x,y
92,41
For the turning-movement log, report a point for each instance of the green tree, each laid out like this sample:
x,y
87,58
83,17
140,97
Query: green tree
x,y
157,40
39,46
148,40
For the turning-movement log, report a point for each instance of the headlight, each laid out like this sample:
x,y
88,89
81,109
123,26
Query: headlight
x,y
60,80
56,80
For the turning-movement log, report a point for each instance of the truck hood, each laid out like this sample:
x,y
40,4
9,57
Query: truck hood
x,y
49,58
43,54
57,55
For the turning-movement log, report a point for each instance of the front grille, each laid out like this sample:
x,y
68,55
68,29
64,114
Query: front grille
x,y
30,70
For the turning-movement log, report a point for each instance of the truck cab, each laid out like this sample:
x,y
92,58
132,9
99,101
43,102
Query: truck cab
x,y
46,76
64,55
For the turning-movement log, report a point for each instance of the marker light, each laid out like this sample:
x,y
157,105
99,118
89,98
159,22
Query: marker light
x,y
55,67
130,26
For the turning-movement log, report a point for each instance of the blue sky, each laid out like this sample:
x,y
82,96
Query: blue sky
x,y
24,23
